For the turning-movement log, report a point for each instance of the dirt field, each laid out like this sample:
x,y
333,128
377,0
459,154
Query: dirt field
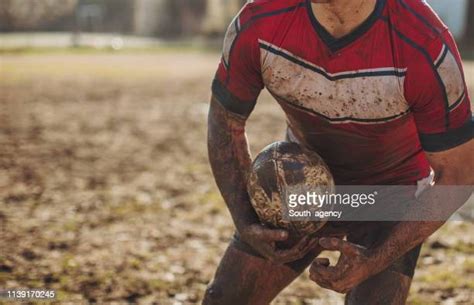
x,y
106,193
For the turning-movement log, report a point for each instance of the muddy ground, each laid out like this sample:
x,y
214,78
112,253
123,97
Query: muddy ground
x,y
106,193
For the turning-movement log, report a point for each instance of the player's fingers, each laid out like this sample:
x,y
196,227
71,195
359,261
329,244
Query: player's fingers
x,y
287,256
324,273
312,243
321,273
332,244
301,251
267,251
271,235
320,281
296,252
300,245
337,244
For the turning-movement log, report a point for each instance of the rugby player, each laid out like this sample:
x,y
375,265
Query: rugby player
x,y
376,87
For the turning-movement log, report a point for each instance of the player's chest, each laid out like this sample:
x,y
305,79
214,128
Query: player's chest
x,y
360,94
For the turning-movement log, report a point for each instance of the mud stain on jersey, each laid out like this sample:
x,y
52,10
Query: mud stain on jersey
x,y
352,97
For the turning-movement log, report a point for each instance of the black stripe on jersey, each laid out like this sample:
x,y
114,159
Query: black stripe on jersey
x,y
237,30
227,64
441,59
335,44
420,17
430,26
447,140
237,25
430,61
231,102
277,12
342,119
252,19
324,73
459,101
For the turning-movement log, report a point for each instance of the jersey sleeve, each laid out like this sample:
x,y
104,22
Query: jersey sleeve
x,y
238,80
436,91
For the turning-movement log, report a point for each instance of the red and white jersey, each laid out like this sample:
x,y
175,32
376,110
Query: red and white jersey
x,y
370,103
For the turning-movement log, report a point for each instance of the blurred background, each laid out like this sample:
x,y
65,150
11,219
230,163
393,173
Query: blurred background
x,y
105,190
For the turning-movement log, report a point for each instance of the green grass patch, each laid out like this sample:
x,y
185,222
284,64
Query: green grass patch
x,y
419,300
464,247
468,265
444,279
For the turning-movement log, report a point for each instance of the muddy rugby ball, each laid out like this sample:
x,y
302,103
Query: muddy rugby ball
x,y
279,169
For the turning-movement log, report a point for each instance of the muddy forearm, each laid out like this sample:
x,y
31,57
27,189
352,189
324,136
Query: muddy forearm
x,y
434,204
230,160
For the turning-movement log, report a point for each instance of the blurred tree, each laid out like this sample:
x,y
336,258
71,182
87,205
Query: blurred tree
x,y
180,17
22,14
218,15
163,18
105,15
169,18
469,36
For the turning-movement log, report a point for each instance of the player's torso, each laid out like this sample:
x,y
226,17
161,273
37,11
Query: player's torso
x,y
344,98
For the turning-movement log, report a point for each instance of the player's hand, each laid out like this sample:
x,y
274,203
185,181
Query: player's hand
x,y
263,240
352,268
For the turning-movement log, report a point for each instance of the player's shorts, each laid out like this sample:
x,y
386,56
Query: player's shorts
x,y
367,234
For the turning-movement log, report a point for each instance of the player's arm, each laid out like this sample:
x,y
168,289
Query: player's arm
x,y
441,108
234,93
455,168
442,112
230,160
